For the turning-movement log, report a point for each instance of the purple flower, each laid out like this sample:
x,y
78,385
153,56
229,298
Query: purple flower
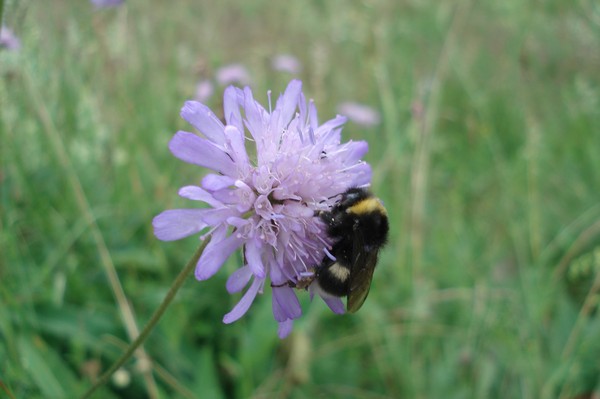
x,y
8,40
266,203
233,73
204,90
107,3
360,114
286,63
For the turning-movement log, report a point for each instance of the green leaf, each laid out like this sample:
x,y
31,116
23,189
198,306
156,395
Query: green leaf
x,y
34,355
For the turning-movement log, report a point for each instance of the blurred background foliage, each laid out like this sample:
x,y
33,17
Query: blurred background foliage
x,y
487,158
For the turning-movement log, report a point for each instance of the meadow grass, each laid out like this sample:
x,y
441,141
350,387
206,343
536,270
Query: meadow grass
x,y
487,158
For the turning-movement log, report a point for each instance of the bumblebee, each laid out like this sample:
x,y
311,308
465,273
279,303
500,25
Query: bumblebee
x,y
358,225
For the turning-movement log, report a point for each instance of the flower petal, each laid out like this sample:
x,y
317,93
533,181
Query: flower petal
x,y
285,328
285,304
238,279
216,252
213,182
244,304
327,131
237,148
255,114
216,216
199,194
361,175
254,258
193,149
335,304
354,151
232,98
203,119
288,102
175,224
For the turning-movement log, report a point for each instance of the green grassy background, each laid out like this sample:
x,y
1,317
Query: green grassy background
x,y
487,158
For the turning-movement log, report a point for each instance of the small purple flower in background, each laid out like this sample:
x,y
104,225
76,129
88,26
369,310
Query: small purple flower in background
x,y
360,114
286,63
266,205
107,3
233,73
8,40
204,90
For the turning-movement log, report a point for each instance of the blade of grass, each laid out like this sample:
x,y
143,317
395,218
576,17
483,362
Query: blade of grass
x,y
125,308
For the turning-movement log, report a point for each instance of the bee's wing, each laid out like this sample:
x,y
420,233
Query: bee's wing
x,y
363,266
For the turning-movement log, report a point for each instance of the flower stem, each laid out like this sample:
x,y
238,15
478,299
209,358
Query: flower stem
x,y
153,320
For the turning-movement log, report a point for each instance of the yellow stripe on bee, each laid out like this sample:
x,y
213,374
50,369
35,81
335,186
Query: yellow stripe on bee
x,y
367,205
340,272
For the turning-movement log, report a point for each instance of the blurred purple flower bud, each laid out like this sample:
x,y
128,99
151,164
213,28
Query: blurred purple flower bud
x,y
8,40
204,90
360,114
286,63
107,3
233,73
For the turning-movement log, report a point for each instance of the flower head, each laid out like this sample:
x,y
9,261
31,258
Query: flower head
x,y
264,201
360,114
107,3
232,73
8,40
204,90
286,63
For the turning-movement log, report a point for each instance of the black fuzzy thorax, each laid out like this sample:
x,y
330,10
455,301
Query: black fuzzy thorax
x,y
341,224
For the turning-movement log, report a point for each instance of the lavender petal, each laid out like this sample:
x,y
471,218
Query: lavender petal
x,y
238,279
285,328
213,182
232,99
243,305
285,304
195,150
215,254
237,148
335,304
287,103
254,258
175,224
199,194
203,119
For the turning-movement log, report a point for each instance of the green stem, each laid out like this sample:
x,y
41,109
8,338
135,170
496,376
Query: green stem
x,y
153,320
1,11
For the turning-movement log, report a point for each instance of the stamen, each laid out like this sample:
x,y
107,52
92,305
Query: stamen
x,y
351,167
269,96
329,255
306,274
